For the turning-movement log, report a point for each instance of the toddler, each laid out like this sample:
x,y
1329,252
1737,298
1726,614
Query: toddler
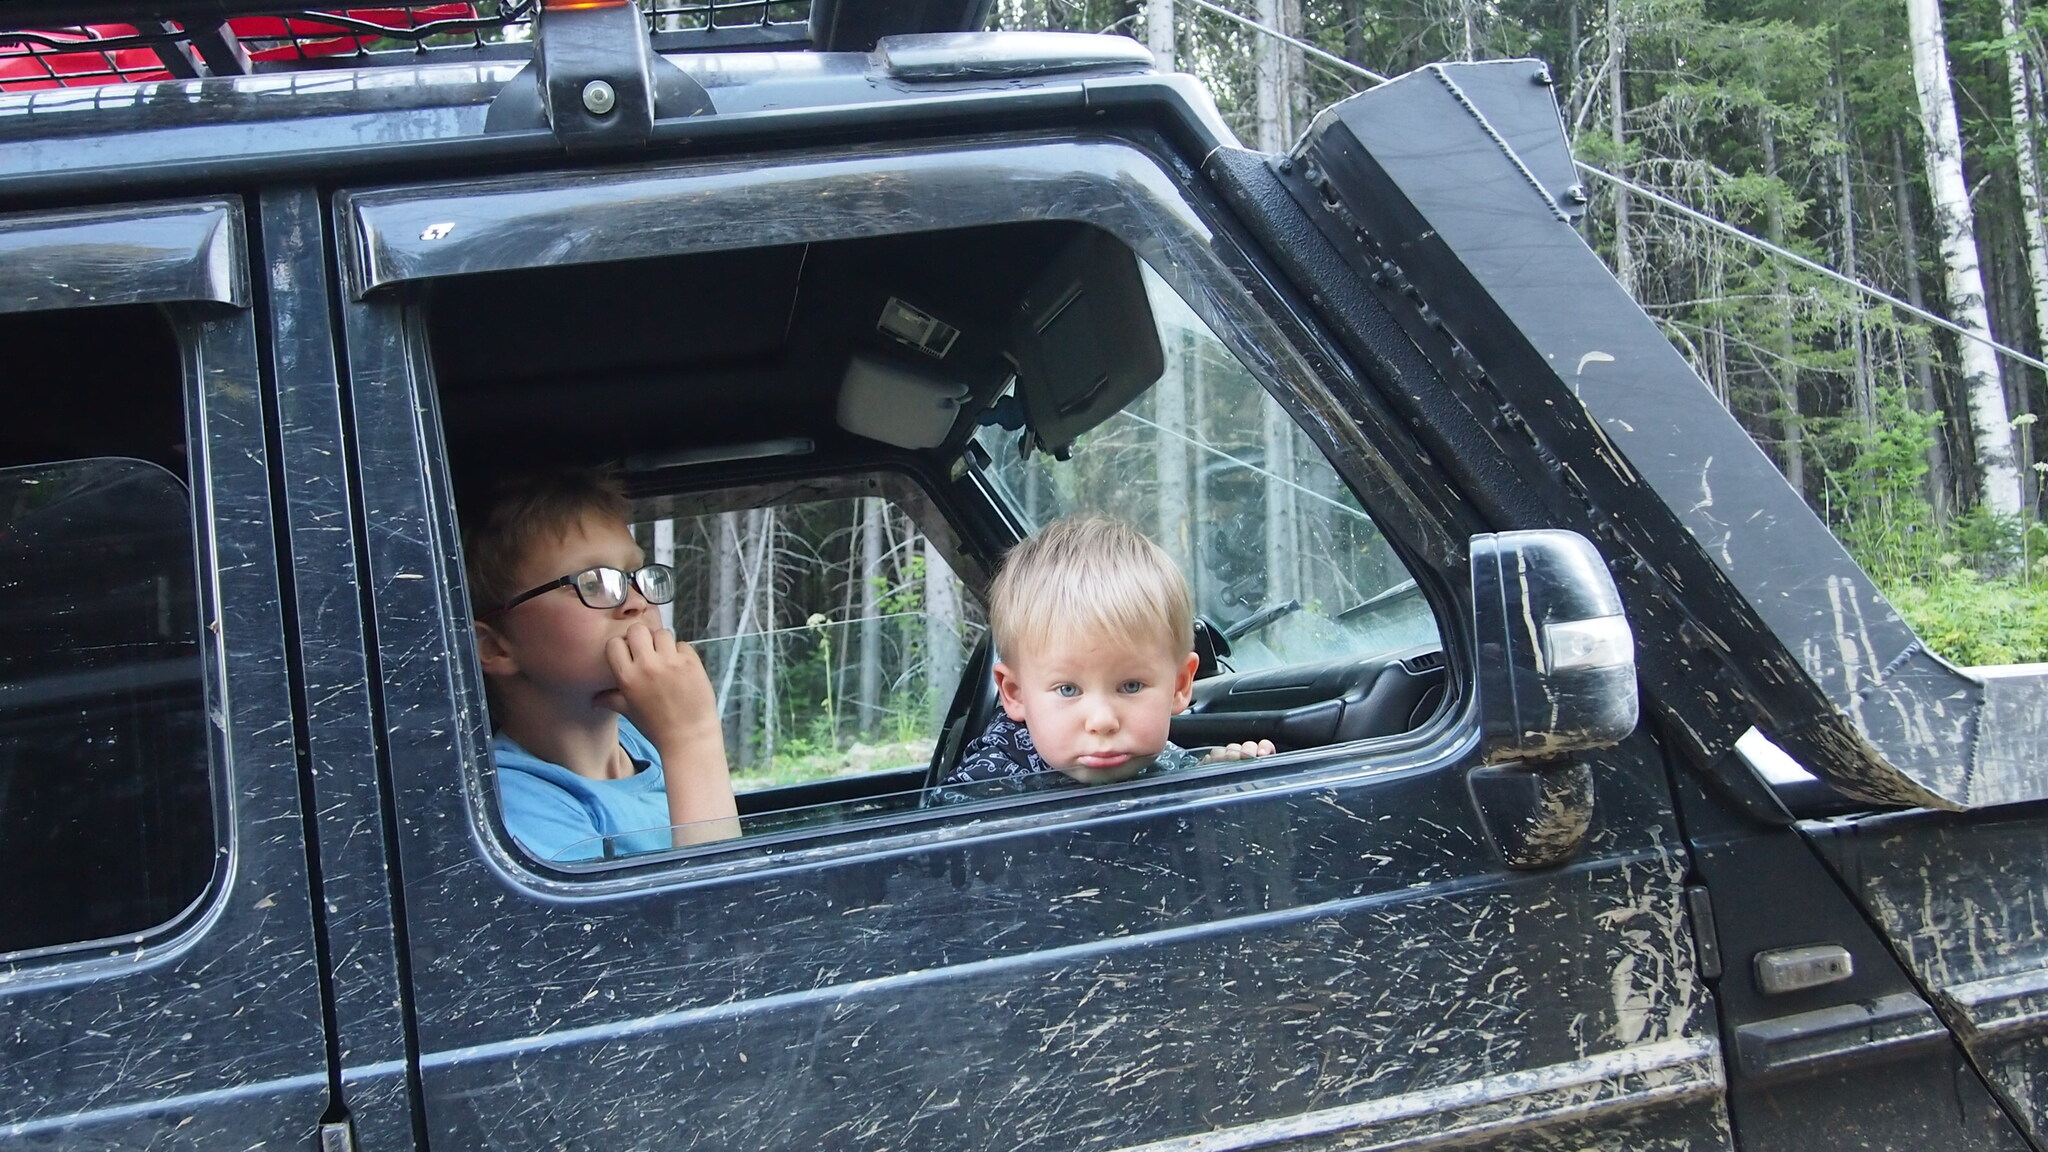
x,y
1093,626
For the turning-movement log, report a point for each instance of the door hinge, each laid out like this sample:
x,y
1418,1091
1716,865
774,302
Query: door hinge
x,y
1706,943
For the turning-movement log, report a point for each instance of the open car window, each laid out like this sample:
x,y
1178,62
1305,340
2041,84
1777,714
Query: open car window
x,y
835,441
850,661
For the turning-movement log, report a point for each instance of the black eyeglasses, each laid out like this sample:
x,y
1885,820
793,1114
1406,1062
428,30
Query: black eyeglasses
x,y
603,588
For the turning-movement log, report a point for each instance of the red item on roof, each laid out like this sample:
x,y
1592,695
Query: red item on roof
x,y
27,64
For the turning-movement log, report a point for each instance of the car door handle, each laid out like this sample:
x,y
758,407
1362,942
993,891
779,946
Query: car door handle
x,y
1826,1035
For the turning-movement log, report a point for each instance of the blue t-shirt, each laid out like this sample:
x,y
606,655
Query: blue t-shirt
x,y
557,815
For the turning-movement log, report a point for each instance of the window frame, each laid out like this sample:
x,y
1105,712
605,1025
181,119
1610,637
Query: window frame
x,y
105,1026
1123,185
185,258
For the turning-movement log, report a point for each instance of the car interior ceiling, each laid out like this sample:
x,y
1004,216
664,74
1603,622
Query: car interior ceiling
x,y
598,362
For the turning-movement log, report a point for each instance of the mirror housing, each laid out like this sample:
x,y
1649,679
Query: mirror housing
x,y
1556,658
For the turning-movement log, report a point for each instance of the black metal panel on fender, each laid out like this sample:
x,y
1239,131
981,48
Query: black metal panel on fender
x,y
1852,1057
1964,903
1421,189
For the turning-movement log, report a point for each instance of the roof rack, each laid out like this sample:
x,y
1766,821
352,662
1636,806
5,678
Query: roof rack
x,y
85,43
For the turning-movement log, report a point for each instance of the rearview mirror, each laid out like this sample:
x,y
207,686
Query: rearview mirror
x,y
1557,664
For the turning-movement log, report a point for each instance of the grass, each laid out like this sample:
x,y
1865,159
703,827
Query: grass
x,y
800,764
1971,619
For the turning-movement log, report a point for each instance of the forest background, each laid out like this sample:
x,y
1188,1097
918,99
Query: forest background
x,y
1800,123
1893,141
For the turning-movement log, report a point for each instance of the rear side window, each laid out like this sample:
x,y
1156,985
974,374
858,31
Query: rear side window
x,y
106,814
833,631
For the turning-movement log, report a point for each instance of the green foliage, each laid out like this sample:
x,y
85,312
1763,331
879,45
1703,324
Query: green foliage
x,y
1935,576
907,594
1876,470
811,747
1987,541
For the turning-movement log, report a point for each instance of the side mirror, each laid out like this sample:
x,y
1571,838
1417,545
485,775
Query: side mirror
x,y
1557,662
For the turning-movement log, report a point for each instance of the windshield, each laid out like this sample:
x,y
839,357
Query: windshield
x,y
1279,553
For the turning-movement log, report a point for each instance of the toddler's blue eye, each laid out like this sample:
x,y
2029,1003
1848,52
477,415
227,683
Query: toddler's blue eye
x,y
1068,690
1131,687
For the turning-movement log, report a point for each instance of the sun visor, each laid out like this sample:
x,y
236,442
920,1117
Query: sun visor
x,y
1084,343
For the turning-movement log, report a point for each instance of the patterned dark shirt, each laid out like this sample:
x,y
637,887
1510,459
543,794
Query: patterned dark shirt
x,y
1003,761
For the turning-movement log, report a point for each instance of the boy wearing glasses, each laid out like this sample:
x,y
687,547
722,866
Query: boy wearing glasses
x,y
608,738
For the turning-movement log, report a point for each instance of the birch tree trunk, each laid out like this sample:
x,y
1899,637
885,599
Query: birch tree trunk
x,y
1283,542
1998,477
665,553
769,679
725,622
2016,68
1159,34
1170,460
1275,75
1938,479
1197,366
941,633
872,509
1717,327
1785,372
1860,379
1276,132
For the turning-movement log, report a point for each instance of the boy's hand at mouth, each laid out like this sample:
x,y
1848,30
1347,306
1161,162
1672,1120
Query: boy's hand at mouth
x,y
663,688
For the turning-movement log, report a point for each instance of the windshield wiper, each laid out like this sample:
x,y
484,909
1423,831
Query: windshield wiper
x,y
1261,618
1405,590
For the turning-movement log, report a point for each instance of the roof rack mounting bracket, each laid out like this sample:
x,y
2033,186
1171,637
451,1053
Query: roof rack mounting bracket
x,y
219,48
595,81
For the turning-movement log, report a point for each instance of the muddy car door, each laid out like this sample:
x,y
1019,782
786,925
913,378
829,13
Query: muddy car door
x,y
1446,201
159,970
1412,936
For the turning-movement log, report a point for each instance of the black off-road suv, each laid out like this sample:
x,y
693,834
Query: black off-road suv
x,y
1614,808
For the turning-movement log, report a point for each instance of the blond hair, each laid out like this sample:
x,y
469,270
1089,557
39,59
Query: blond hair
x,y
526,512
1089,575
